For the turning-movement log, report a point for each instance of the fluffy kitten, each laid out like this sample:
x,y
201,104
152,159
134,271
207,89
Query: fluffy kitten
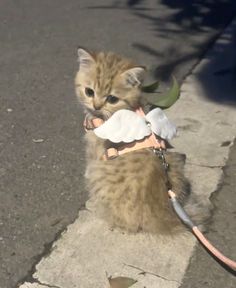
x,y
131,190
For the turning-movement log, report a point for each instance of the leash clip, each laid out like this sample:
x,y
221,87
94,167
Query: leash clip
x,y
159,152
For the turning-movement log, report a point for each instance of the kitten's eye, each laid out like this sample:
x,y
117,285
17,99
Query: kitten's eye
x,y
112,99
89,92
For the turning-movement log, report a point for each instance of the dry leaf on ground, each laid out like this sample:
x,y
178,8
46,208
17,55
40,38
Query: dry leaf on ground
x,y
121,282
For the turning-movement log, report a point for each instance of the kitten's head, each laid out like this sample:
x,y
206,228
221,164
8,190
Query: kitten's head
x,y
107,82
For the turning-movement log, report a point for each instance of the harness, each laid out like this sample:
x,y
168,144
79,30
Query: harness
x,y
150,141
158,146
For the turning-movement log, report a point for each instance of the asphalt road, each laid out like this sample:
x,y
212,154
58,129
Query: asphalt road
x,y
41,147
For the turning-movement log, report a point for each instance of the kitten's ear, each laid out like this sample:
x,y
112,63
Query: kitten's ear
x,y
85,59
134,76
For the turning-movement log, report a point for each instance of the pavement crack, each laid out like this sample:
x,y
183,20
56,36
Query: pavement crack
x,y
48,248
44,284
143,272
203,165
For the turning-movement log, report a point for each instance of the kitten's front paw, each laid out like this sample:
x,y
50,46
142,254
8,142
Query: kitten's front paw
x,y
88,122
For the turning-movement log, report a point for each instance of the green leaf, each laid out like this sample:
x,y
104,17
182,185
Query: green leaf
x,y
150,88
121,282
166,100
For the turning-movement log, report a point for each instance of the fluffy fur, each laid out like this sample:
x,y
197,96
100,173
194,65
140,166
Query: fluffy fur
x,y
131,190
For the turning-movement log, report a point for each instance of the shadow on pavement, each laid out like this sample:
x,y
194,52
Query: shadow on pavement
x,y
218,76
200,20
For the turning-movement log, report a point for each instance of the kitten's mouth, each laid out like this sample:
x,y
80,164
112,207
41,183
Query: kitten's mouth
x,y
102,114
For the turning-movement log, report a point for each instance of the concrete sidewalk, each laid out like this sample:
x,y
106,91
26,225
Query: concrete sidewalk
x,y
88,251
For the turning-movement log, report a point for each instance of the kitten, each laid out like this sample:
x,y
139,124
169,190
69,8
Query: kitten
x,y
130,190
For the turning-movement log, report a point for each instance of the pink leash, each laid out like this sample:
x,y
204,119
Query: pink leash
x,y
188,222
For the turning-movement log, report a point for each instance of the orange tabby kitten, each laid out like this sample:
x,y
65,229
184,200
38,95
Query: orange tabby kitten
x,y
131,190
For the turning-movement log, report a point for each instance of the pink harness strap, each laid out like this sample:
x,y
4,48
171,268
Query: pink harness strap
x,y
136,145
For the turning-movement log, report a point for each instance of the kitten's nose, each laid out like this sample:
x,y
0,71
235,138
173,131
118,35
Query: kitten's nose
x,y
97,104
